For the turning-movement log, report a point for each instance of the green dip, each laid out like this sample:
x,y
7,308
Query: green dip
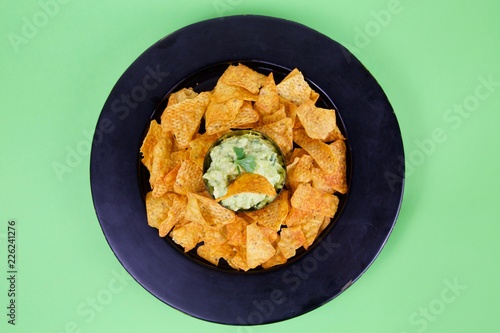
x,y
243,151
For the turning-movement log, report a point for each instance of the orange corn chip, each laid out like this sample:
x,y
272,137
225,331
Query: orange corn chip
x,y
189,178
275,260
222,92
297,217
198,147
259,249
161,164
300,172
317,122
193,211
272,215
166,184
269,99
294,88
337,180
236,232
212,212
249,183
239,260
334,135
280,132
153,136
244,77
181,95
320,151
157,208
183,118
313,200
176,214
311,230
290,240
277,115
188,235
213,253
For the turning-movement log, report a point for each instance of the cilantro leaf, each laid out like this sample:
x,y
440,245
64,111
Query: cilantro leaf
x,y
240,153
247,163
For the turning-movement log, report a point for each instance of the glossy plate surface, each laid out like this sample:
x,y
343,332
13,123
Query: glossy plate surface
x,y
194,57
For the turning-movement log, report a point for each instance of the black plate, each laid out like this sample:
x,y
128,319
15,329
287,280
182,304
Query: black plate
x,y
194,56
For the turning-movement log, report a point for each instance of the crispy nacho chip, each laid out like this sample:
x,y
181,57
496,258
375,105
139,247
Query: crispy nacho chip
x,y
280,132
189,178
290,240
212,212
181,95
259,249
269,100
199,147
249,183
213,253
157,208
337,180
317,122
183,118
188,235
320,151
272,215
315,201
175,215
294,88
153,136
311,230
300,172
275,260
243,77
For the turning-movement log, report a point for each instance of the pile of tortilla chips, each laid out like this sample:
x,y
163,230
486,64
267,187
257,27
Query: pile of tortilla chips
x,y
179,205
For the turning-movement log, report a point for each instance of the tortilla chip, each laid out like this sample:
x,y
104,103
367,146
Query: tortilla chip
x,y
213,253
315,201
212,212
272,215
276,116
317,122
337,180
275,260
239,260
188,235
243,77
181,95
184,118
236,232
249,183
334,135
300,172
157,208
176,214
320,151
281,133
259,249
290,240
189,178
199,147
269,100
222,92
161,164
153,136
311,229
294,88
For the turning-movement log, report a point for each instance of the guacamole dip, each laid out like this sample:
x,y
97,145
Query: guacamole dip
x,y
238,152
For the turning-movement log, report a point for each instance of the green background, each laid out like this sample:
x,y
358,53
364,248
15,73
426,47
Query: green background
x,y
437,273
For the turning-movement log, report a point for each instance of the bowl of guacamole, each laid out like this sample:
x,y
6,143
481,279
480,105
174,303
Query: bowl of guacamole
x,y
242,151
